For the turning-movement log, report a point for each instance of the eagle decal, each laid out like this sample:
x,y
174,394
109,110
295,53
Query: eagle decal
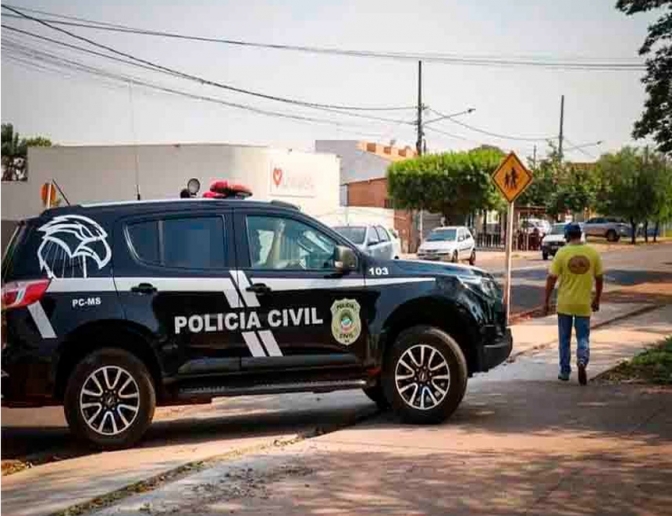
x,y
70,245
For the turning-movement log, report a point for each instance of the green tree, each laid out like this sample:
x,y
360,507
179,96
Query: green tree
x,y
454,184
656,120
560,186
661,211
633,186
15,153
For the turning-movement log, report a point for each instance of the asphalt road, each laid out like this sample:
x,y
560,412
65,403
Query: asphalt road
x,y
40,435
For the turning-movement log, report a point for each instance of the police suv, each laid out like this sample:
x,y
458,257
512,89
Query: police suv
x,y
113,309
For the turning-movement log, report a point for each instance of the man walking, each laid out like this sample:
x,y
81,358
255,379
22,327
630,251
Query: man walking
x,y
576,265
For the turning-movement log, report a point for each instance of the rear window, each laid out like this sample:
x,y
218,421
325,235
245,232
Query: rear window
x,y
188,243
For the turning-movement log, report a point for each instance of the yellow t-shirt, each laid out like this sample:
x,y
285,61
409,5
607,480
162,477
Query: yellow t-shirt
x,y
576,265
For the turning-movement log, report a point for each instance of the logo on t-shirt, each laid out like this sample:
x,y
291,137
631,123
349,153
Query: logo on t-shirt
x,y
578,264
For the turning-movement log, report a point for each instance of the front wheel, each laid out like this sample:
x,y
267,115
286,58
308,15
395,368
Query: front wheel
x,y
454,258
425,375
109,399
472,258
612,236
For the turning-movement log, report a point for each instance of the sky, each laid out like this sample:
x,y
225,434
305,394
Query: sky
x,y
77,109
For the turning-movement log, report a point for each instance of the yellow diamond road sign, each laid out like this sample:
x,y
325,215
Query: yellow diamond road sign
x,y
512,177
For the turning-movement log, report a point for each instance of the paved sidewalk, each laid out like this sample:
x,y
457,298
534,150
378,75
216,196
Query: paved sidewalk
x,y
520,444
232,425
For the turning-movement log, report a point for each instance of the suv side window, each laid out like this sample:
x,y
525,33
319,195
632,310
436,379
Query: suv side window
x,y
287,244
188,243
382,234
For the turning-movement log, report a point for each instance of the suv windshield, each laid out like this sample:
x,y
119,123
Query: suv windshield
x,y
442,235
558,229
355,234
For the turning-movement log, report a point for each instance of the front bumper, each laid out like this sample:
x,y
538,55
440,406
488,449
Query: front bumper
x,y
497,351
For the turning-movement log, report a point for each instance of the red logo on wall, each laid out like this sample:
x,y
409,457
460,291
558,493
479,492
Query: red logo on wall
x,y
277,176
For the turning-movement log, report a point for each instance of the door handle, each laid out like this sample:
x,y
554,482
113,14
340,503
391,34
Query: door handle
x,y
259,288
144,288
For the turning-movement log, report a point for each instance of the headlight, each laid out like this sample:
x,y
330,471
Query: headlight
x,y
485,285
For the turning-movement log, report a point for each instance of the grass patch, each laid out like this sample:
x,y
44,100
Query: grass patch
x,y
652,366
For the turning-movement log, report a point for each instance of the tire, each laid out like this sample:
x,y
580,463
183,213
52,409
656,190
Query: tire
x,y
472,258
454,258
123,381
447,360
377,395
612,236
544,256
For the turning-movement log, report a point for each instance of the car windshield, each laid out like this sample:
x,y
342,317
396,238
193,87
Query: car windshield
x,y
442,235
558,229
355,234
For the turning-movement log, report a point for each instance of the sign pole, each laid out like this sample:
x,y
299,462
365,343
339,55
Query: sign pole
x,y
507,274
512,178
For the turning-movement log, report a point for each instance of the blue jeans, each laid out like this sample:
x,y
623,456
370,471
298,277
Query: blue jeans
x,y
582,327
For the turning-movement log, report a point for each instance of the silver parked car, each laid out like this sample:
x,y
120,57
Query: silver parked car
x,y
452,243
611,228
372,239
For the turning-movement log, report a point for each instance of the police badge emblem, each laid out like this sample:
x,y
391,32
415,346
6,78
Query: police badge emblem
x,y
346,325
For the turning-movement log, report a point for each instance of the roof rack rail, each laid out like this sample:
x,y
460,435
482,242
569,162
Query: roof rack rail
x,y
284,204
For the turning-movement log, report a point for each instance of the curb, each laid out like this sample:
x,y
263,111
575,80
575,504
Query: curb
x,y
596,326
155,481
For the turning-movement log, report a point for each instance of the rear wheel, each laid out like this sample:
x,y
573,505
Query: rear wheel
x,y
425,375
110,399
612,236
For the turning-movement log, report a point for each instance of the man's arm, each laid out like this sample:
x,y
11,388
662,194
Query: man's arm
x,y
599,285
550,285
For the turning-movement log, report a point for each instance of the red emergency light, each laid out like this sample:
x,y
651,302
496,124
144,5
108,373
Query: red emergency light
x,y
226,190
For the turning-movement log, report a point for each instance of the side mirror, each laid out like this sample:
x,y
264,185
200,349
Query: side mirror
x,y
345,259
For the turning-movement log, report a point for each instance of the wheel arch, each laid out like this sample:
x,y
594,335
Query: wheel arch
x,y
444,314
119,334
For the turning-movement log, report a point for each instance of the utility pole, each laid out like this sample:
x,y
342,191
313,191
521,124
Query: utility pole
x,y
418,143
534,157
562,122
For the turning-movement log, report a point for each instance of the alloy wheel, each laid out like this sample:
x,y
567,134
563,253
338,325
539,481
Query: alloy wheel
x,y
109,400
422,377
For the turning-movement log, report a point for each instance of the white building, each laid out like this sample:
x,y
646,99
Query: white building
x,y
113,173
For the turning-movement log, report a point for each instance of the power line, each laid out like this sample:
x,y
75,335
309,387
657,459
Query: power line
x,y
45,57
581,148
453,59
201,80
494,135
152,69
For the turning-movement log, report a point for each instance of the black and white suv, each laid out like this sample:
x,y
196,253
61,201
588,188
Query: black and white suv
x,y
113,309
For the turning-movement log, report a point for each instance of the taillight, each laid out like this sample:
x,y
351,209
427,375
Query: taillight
x,y
23,293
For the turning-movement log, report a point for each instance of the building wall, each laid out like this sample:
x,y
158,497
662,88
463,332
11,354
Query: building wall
x,y
108,173
368,193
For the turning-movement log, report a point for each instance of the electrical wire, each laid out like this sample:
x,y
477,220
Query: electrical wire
x,y
45,57
580,149
201,80
490,133
454,59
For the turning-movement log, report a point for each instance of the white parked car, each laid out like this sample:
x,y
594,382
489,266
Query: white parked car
x,y
453,243
373,240
555,240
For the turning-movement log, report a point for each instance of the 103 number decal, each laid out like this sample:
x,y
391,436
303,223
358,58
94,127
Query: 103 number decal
x,y
379,271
